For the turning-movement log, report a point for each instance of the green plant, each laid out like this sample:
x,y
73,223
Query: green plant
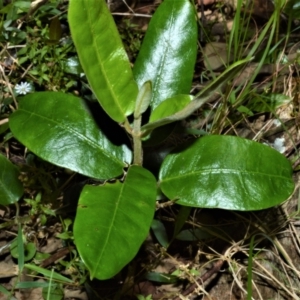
x,y
45,56
39,208
37,51
113,218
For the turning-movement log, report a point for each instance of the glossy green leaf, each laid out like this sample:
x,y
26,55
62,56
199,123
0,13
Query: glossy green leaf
x,y
58,128
11,188
103,57
227,172
168,53
170,107
113,220
206,94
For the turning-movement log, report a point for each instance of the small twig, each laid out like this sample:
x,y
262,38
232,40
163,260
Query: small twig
x,y
56,256
26,71
4,121
128,6
131,15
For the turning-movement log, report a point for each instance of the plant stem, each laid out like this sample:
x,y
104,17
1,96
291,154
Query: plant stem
x,y
137,142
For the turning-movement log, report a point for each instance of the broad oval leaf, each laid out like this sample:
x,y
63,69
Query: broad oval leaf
x,y
168,53
103,57
227,172
113,220
58,128
11,188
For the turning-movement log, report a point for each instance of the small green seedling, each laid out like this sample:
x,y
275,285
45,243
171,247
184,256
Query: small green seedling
x,y
213,171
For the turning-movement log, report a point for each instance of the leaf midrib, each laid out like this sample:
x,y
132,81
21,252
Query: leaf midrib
x,y
223,171
114,215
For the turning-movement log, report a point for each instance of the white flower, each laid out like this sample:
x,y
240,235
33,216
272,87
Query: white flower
x,y
23,88
276,122
279,145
